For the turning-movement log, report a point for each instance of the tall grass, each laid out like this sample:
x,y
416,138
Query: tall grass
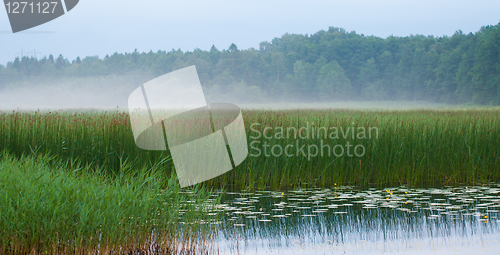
x,y
53,206
101,139
416,147
420,147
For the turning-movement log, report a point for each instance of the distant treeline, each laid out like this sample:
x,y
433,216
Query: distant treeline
x,y
328,65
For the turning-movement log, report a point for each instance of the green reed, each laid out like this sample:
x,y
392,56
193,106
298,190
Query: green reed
x,y
420,147
58,207
415,147
103,140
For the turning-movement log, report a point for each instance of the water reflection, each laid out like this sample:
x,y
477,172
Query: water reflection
x,y
451,220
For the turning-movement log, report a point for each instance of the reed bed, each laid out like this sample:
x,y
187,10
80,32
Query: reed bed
x,y
51,206
414,147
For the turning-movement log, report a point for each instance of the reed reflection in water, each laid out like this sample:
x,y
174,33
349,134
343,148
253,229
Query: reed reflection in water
x,y
450,220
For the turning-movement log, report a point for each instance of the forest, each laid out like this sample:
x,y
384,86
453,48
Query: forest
x,y
331,65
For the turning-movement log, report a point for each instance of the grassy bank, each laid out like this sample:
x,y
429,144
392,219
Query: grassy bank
x,y
416,147
47,206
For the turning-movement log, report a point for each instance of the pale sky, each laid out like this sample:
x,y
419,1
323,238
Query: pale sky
x,y
100,27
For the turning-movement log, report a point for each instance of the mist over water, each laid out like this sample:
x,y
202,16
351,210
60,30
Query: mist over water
x,y
112,92
352,105
58,98
70,92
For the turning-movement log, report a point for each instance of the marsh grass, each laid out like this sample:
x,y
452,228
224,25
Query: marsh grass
x,y
53,206
414,147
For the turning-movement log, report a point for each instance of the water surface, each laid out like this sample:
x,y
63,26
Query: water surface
x,y
347,220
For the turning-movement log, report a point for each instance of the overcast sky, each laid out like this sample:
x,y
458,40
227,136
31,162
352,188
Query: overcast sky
x,y
100,27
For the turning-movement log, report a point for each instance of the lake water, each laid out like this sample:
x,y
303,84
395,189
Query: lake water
x,y
346,220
